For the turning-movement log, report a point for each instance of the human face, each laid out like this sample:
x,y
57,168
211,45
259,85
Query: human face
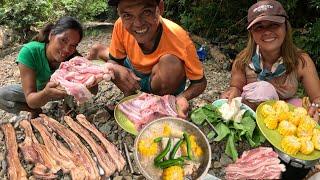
x,y
62,45
141,19
269,35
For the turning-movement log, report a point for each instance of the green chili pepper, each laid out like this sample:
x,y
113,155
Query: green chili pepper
x,y
170,162
164,152
158,139
186,137
175,149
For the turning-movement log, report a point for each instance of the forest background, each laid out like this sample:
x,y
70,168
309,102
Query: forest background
x,y
221,22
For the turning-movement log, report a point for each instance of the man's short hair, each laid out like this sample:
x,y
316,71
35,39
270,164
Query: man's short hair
x,y
116,2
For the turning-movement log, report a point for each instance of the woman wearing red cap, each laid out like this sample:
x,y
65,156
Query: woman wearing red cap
x,y
271,66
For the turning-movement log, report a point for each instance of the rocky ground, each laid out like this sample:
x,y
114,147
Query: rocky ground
x,y
218,76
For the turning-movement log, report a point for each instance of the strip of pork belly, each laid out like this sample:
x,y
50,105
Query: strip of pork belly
x,y
111,148
15,169
59,152
76,146
104,159
37,153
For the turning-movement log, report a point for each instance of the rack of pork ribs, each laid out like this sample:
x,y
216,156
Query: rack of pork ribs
x,y
53,157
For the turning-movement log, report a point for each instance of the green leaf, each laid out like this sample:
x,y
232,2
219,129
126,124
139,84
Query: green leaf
x,y
231,148
258,138
222,131
208,111
211,134
249,125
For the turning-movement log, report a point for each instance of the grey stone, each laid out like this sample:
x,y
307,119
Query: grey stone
x,y
111,137
216,164
1,135
118,178
4,164
2,156
127,177
102,116
6,37
225,160
105,128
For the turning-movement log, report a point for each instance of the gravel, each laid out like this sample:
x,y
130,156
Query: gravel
x,y
97,110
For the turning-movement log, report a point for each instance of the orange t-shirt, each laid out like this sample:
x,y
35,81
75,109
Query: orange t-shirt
x,y
174,40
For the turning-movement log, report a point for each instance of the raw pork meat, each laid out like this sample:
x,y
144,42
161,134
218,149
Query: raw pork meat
x,y
259,163
147,107
79,73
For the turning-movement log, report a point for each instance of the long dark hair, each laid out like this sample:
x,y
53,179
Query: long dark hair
x,y
63,24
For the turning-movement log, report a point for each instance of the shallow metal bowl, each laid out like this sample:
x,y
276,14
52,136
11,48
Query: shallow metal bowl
x,y
183,125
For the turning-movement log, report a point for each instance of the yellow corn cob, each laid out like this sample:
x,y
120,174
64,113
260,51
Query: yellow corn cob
x,y
307,123
307,146
300,111
267,110
166,130
147,147
280,106
295,120
303,132
286,128
271,122
316,141
196,149
173,173
283,116
290,145
183,149
316,131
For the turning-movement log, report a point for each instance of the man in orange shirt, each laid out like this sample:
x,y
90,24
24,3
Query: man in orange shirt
x,y
151,53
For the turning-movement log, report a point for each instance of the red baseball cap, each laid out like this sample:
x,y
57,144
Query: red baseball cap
x,y
266,10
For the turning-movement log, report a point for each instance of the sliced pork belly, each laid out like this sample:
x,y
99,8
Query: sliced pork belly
x,y
147,107
259,163
112,150
78,149
15,169
104,160
33,151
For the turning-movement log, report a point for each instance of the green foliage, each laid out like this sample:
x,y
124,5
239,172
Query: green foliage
x,y
222,21
20,15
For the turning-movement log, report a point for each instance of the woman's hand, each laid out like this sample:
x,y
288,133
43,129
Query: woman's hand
x,y
231,93
182,106
125,79
54,92
313,112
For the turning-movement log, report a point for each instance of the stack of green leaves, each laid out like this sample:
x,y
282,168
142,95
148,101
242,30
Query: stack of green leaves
x,y
230,130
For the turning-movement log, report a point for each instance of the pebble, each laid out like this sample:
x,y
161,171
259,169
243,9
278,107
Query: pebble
x,y
217,164
225,160
4,164
105,128
2,156
118,178
1,135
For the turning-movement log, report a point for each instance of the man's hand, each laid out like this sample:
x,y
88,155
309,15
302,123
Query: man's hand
x,y
98,51
54,92
125,79
182,106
